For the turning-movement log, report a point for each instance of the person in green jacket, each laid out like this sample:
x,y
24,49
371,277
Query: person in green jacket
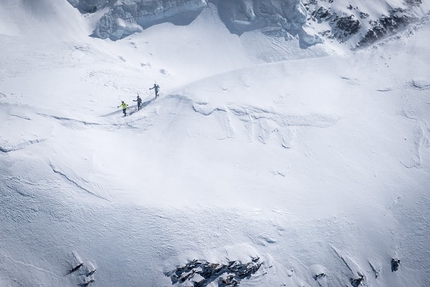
x,y
124,107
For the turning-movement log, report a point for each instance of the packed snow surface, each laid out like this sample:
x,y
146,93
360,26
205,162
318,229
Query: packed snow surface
x,y
311,167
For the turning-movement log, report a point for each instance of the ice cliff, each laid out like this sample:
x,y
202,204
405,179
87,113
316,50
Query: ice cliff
x,y
311,21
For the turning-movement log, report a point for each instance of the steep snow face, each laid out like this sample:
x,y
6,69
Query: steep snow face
x,y
38,19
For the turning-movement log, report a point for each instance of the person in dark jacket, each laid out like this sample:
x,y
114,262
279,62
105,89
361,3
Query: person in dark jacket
x,y
156,88
139,102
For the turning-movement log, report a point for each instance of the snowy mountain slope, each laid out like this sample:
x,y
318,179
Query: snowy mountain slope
x,y
311,21
318,165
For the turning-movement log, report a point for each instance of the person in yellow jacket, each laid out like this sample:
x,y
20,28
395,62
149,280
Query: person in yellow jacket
x,y
124,107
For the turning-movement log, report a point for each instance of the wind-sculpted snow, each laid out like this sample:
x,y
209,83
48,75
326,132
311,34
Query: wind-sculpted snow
x,y
75,180
260,124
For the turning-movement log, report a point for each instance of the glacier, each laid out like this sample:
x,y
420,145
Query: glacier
x,y
123,18
311,21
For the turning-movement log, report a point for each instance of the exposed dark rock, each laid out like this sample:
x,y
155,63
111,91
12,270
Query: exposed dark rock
x,y
363,15
228,281
375,270
202,273
395,264
321,15
76,268
397,19
345,27
318,276
355,282
93,9
413,2
87,283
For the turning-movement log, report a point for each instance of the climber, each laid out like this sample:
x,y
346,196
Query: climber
x,y
156,88
139,102
124,107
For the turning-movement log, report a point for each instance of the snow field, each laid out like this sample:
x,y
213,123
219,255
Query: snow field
x,y
315,165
